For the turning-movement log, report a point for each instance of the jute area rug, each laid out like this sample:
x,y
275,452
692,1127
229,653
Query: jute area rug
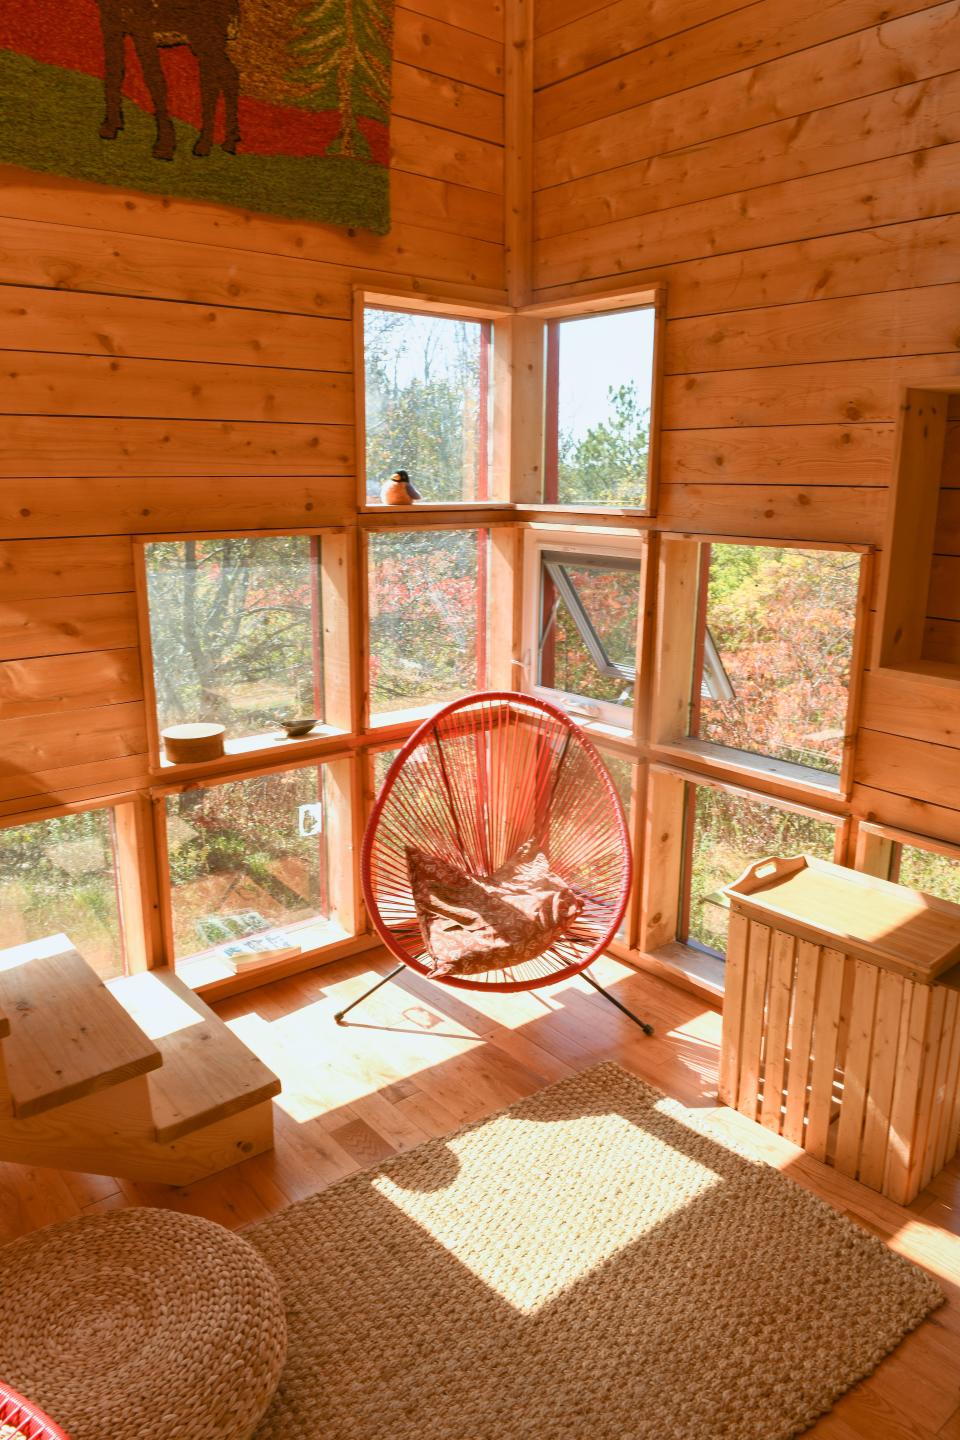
x,y
589,1263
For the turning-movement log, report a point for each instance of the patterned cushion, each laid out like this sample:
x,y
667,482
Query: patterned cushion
x,y
472,923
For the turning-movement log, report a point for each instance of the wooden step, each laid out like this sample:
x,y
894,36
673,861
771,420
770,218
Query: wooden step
x,y
68,1036
207,1073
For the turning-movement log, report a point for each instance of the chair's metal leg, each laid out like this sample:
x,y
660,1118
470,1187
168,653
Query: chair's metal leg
x,y
644,1026
347,1008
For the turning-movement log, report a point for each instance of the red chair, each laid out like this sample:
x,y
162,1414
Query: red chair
x,y
27,1417
473,784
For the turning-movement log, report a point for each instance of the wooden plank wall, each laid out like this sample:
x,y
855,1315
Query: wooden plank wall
x,y
793,173
167,365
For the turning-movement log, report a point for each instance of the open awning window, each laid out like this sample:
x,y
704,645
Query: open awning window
x,y
589,613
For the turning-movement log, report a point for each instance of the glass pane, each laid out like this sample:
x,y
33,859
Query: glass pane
x,y
235,628
777,651
60,877
621,773
428,403
248,870
588,627
932,873
380,761
427,602
604,382
730,832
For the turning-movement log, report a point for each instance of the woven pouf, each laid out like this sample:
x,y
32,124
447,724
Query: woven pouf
x,y
142,1324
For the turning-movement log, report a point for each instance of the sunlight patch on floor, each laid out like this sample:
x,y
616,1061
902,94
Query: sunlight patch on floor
x,y
320,1074
565,1218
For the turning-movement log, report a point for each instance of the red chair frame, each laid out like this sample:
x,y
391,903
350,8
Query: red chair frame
x,y
29,1419
497,768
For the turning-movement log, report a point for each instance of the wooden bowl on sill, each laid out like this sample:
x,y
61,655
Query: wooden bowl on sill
x,y
186,744
297,726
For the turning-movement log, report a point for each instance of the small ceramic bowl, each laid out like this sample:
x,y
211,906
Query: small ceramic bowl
x,y
298,725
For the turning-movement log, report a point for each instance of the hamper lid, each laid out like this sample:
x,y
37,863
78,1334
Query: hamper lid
x,y
898,929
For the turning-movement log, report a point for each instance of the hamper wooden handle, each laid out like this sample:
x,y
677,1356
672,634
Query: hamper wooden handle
x,y
765,872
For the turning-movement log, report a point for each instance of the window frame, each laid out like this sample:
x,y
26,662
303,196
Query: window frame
x,y
679,567
496,406
598,717
533,388
337,571
344,817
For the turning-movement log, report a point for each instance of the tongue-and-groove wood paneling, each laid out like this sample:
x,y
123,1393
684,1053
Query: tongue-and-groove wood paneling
x,y
793,173
166,365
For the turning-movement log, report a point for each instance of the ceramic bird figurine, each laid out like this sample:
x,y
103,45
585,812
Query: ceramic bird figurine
x,y
399,490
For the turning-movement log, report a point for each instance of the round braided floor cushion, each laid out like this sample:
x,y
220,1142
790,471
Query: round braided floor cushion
x,y
142,1324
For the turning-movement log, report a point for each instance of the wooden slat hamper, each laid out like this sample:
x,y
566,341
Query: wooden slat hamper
x,y
841,1019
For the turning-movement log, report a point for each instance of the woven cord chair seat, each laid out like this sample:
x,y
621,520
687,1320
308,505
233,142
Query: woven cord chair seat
x,y
142,1324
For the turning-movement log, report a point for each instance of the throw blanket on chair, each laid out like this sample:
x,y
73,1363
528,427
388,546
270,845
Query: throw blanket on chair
x,y
474,923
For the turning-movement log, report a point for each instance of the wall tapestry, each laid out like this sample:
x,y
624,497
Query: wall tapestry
x,y
276,105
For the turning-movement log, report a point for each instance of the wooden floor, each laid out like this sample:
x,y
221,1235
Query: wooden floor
x,y
419,1060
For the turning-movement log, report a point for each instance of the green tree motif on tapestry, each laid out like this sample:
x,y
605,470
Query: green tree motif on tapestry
x,y
343,49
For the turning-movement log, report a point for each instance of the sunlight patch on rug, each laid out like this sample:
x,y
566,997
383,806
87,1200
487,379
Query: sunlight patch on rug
x,y
561,1224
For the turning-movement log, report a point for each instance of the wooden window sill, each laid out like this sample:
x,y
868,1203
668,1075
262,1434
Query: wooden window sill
x,y
239,754
688,966
213,978
817,785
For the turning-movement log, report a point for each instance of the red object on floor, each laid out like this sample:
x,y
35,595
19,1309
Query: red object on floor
x,y
28,1418
484,776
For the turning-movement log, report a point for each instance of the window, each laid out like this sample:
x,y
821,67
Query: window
x,y
597,412
774,646
428,403
893,855
427,603
380,762
243,630
926,870
60,877
757,641
723,833
249,876
582,614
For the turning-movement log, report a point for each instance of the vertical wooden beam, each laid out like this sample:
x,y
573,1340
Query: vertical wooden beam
x,y
679,570
138,882
340,611
859,655
360,401
911,526
518,364
342,790
663,845
504,616
551,414
874,853
138,550
518,154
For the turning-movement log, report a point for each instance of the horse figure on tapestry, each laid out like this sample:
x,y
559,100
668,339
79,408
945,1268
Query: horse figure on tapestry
x,y
206,26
